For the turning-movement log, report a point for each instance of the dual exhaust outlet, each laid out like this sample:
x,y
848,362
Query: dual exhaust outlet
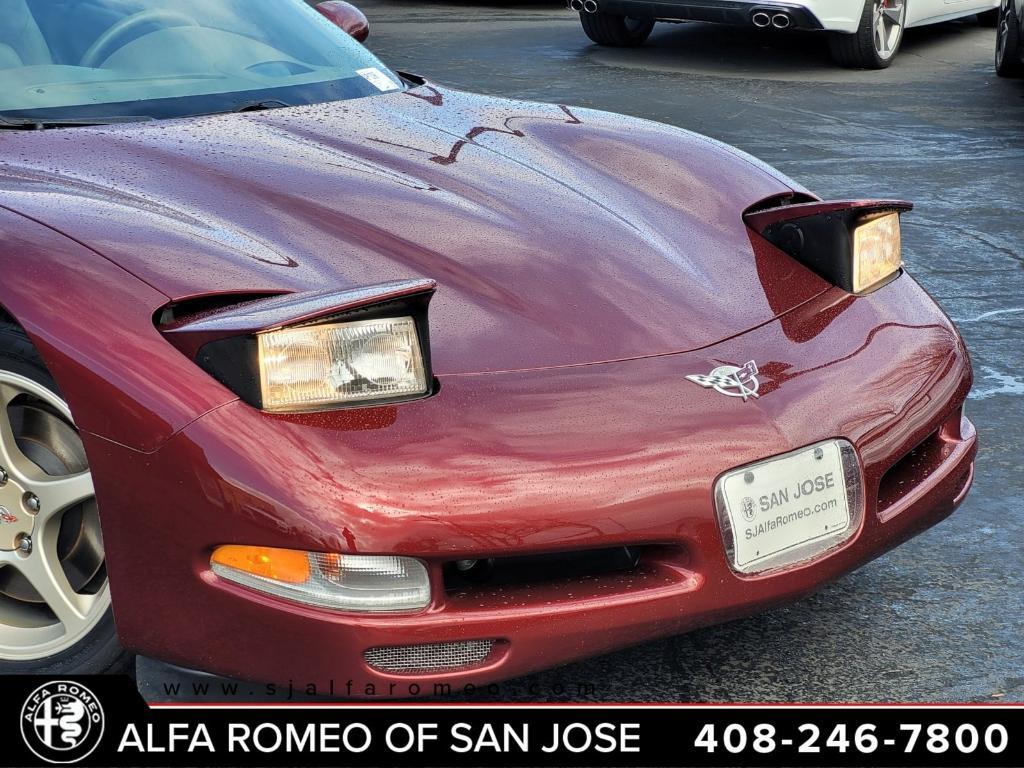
x,y
762,19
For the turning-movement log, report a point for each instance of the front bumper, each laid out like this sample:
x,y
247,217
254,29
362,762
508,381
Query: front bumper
x,y
615,454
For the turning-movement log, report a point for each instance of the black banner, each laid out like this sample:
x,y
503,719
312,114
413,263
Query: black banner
x,y
102,721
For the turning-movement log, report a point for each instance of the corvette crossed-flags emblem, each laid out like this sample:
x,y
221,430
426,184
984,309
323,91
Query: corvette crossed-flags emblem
x,y
731,380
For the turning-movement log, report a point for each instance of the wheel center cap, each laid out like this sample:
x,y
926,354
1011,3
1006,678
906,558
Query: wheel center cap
x,y
16,521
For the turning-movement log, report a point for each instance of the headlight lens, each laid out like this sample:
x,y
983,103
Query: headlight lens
x,y
876,250
364,583
314,366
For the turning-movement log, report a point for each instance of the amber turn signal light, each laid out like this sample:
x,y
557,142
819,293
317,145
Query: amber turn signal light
x,y
285,565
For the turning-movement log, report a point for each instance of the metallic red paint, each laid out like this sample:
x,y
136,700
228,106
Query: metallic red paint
x,y
759,220
585,263
274,312
346,16
551,246
530,461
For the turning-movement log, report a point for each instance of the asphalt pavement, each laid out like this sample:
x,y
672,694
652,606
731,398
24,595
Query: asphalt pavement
x,y
940,618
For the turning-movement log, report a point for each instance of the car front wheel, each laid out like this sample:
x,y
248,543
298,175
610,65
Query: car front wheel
x,y
612,29
55,614
874,44
1008,63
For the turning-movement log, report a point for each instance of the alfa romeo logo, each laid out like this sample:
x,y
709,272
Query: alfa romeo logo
x,y
749,511
731,380
62,722
6,516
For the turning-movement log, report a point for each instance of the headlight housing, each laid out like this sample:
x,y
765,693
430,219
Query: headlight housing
x,y
339,363
852,244
313,351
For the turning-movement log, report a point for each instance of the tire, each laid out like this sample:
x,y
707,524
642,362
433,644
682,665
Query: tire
x,y
862,49
1008,48
614,30
95,648
989,18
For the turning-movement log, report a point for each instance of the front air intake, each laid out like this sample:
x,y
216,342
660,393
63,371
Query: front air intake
x,y
429,657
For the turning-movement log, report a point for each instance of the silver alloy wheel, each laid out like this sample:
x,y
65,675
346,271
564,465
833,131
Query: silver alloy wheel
x,y
53,584
887,19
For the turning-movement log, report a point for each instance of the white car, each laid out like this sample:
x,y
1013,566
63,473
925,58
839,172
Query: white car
x,y
862,33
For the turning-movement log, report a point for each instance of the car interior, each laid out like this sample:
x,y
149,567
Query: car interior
x,y
123,50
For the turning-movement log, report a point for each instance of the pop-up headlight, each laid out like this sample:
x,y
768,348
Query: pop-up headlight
x,y
854,244
315,351
308,367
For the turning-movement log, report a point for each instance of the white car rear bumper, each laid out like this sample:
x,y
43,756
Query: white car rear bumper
x,y
836,15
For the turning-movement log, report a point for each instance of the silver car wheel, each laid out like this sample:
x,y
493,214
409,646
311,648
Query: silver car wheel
x,y
53,583
887,20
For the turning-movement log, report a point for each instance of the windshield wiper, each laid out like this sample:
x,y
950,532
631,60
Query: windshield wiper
x,y
260,106
43,123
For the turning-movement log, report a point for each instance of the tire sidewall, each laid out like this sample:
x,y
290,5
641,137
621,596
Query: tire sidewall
x,y
1009,64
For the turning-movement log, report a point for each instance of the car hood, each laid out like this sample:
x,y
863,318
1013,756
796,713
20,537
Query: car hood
x,y
557,236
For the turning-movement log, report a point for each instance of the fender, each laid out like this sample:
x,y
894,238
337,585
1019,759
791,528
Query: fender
x,y
92,323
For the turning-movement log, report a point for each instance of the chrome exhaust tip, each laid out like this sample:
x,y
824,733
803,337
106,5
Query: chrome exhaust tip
x,y
590,6
761,19
575,5
781,21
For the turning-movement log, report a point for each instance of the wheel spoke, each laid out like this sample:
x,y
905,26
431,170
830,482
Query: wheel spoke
x,y
58,493
881,40
8,391
12,460
887,26
43,570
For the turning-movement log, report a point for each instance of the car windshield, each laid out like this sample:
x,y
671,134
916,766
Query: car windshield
x,y
104,60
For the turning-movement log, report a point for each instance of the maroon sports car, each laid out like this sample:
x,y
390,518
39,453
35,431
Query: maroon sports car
x,y
316,371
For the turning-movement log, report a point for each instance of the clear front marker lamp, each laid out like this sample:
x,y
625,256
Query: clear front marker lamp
x,y
356,583
308,367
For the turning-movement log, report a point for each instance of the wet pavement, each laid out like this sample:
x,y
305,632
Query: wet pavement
x,y
941,617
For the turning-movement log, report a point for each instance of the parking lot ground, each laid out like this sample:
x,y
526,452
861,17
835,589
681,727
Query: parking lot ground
x,y
941,618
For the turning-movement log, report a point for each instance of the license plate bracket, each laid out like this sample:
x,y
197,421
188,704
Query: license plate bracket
x,y
791,508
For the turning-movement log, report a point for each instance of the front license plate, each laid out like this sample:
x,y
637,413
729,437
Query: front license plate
x,y
789,508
